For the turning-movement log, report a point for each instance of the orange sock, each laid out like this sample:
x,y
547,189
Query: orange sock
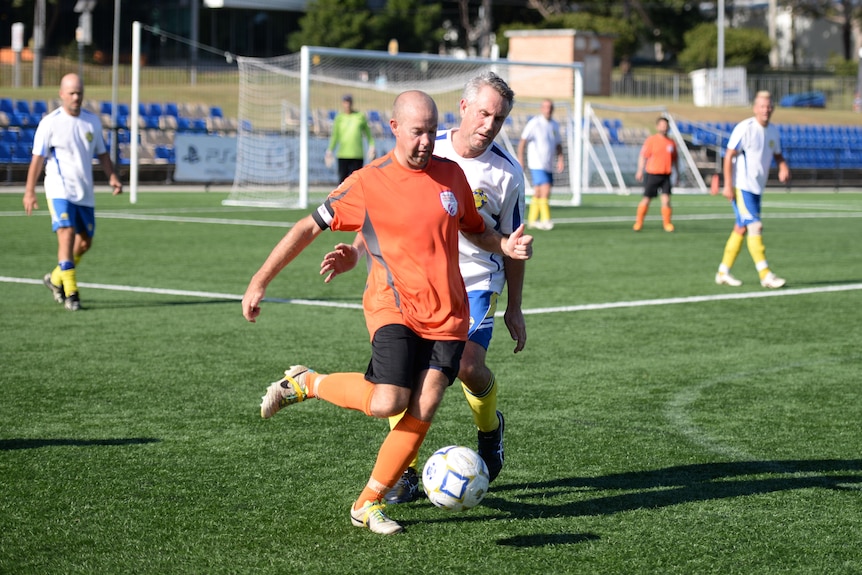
x,y
399,448
350,390
666,212
641,214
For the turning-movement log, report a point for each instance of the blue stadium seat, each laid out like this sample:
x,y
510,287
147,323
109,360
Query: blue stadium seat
x,y
5,154
8,138
105,108
164,152
216,112
21,154
184,124
26,136
22,107
155,109
123,110
6,105
40,107
171,109
199,125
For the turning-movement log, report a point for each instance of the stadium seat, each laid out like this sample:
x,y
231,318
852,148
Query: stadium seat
x,y
22,107
8,138
40,107
123,110
26,136
105,108
164,154
171,109
216,112
5,154
21,154
154,109
6,105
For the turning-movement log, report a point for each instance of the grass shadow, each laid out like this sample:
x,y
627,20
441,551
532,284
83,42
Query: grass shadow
x,y
673,486
20,443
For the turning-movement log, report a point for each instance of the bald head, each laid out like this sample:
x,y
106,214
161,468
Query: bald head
x,y
414,125
72,94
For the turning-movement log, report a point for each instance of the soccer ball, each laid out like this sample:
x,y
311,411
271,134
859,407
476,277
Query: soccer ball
x,y
455,478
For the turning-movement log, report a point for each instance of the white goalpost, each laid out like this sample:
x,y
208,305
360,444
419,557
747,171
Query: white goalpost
x,y
287,104
613,137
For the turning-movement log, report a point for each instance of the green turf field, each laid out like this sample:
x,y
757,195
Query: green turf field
x,y
656,422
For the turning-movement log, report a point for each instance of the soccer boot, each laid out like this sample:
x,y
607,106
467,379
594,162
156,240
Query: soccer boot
x,y
491,448
371,515
57,291
73,302
406,489
772,281
286,391
725,279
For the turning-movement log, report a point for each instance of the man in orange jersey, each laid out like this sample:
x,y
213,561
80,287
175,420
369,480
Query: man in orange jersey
x,y
409,207
658,158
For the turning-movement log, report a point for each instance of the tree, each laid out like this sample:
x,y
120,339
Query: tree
x,y
352,24
748,47
335,23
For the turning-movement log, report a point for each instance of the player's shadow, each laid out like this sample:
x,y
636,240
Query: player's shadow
x,y
20,443
618,492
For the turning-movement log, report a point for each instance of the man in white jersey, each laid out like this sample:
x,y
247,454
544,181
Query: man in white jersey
x,y
65,144
542,141
497,181
753,144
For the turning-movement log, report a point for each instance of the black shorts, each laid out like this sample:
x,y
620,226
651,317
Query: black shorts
x,y
398,356
656,182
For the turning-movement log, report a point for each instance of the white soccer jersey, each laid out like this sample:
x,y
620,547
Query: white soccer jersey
x,y
497,181
69,144
542,137
756,147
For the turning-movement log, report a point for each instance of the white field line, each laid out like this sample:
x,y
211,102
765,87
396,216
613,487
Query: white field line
x,y
534,311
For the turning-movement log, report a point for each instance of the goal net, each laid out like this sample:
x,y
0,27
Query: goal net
x,y
613,137
287,105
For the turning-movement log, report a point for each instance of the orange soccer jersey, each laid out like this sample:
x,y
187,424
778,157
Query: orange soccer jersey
x,y
660,154
409,220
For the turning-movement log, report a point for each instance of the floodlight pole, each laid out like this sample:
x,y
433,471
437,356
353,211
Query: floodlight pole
x,y
115,80
136,75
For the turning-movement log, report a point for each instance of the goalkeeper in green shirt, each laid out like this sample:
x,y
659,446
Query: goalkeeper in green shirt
x,y
348,128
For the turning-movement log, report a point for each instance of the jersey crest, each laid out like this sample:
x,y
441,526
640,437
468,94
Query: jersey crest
x,y
480,198
90,137
449,201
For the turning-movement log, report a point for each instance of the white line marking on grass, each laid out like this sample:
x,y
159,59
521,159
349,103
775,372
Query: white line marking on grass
x,y
189,293
535,311
692,299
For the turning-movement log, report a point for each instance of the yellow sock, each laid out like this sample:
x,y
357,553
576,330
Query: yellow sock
x,y
533,213
69,281
758,254
393,421
731,250
484,406
56,278
544,210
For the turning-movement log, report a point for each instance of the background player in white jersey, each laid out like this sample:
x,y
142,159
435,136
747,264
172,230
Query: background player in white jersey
x,y
497,181
65,144
753,144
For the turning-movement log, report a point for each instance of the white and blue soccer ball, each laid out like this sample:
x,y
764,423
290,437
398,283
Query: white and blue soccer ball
x,y
455,478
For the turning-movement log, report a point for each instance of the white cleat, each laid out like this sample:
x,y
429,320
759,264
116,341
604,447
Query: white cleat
x,y
772,281
371,515
725,279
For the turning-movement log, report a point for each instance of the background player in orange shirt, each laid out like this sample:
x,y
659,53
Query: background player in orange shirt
x,y
658,158
410,207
